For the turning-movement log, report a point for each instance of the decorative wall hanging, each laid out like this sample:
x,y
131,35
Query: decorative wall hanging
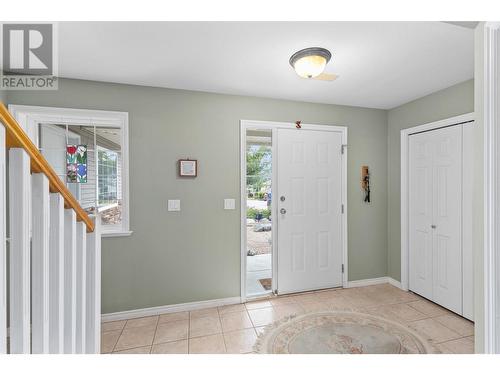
x,y
188,168
76,163
365,182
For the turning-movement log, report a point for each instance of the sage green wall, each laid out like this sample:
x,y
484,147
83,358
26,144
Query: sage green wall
x,y
3,96
478,222
194,254
453,101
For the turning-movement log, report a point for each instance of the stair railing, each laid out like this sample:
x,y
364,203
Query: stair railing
x,y
52,304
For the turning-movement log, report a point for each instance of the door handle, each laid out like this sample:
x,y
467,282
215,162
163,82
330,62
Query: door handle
x,y
282,211
433,226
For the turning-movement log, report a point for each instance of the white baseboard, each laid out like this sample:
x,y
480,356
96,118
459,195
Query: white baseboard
x,y
150,311
394,282
367,282
378,280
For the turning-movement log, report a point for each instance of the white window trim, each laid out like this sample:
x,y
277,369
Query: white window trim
x,y
30,116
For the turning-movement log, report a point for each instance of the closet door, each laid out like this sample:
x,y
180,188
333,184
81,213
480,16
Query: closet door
x,y
435,216
447,218
421,149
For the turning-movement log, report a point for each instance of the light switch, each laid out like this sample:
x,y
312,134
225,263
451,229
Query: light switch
x,y
174,205
229,204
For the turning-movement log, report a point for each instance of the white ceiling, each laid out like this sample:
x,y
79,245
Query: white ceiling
x,y
380,64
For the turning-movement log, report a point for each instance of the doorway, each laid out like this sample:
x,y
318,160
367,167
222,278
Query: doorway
x,y
259,221
293,208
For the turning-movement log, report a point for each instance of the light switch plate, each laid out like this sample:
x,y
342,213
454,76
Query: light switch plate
x,y
174,205
229,204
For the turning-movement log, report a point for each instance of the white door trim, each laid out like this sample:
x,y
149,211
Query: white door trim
x,y
273,126
405,133
491,185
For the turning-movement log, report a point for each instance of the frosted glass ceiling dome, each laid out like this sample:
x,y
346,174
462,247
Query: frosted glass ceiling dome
x,y
310,62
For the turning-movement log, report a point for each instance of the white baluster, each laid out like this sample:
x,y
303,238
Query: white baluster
x,y
93,326
56,278
19,270
69,281
40,264
3,248
81,274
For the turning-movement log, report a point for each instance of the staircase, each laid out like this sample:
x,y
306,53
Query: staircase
x,y
50,255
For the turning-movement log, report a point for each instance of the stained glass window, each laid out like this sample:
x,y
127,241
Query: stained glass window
x,y
76,164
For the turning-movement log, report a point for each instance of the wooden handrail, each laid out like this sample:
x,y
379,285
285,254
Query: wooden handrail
x,y
16,137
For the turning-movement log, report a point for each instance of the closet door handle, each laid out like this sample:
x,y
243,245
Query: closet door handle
x,y
433,226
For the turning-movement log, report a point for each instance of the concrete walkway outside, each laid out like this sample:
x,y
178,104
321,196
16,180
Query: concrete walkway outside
x,y
258,267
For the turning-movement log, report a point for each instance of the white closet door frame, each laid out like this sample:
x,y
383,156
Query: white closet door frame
x,y
274,126
491,119
405,134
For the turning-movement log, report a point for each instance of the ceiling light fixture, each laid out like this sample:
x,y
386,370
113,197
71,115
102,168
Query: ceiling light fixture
x,y
310,62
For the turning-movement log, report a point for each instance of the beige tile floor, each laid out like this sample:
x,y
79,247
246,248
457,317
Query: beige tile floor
x,y
234,328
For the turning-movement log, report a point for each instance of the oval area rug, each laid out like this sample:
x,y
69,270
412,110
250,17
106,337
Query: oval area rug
x,y
340,332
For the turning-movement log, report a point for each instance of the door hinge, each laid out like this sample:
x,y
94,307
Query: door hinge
x,y
342,268
342,208
342,149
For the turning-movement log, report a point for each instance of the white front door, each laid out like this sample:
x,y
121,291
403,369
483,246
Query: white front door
x,y
309,204
435,216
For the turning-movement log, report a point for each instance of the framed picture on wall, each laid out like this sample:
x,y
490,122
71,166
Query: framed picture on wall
x,y
188,168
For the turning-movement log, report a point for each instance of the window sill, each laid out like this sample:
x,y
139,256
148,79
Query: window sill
x,y
126,233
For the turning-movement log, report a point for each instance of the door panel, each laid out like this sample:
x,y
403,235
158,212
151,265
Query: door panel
x,y
298,253
420,214
309,176
447,288
467,220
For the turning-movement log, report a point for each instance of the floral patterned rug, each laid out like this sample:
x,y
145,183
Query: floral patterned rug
x,y
340,332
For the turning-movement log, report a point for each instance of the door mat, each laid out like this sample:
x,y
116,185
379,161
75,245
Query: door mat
x,y
266,283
